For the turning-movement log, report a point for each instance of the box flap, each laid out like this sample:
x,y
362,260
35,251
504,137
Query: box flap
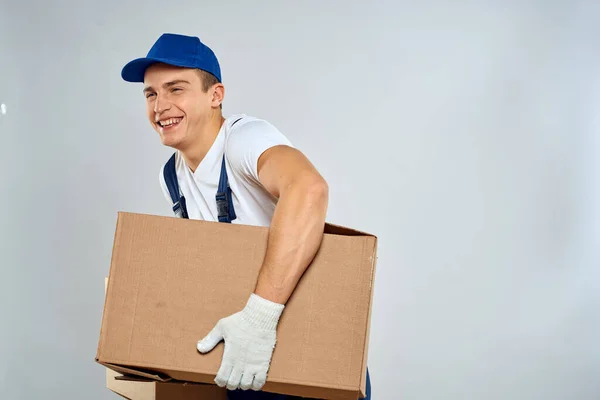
x,y
333,229
150,375
133,378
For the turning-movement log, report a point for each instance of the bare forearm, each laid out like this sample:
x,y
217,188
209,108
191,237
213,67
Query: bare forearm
x,y
294,238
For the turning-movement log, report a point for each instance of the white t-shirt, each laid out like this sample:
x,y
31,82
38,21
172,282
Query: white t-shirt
x,y
243,144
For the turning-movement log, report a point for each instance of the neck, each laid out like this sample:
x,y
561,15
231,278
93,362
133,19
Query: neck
x,y
194,153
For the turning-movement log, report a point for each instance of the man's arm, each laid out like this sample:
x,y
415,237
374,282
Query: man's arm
x,y
295,234
296,229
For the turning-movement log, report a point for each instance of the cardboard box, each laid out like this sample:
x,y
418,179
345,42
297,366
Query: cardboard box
x,y
130,387
172,279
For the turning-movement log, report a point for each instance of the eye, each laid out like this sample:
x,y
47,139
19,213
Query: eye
x,y
148,95
176,90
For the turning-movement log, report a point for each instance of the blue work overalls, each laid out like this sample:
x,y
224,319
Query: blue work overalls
x,y
226,213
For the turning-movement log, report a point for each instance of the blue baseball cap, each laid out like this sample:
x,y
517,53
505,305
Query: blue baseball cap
x,y
177,50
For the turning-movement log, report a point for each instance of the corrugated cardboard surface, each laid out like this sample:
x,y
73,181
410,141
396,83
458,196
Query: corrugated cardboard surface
x,y
172,279
139,388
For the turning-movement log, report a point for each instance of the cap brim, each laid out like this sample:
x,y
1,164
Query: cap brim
x,y
135,70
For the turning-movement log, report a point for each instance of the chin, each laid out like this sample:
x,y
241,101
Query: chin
x,y
171,141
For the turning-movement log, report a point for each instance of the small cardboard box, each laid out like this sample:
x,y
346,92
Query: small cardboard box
x,y
172,279
145,389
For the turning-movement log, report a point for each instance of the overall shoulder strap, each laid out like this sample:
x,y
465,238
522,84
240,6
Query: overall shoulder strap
x,y
170,175
234,122
225,209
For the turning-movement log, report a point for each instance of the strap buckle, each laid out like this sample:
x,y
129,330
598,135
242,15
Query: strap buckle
x,y
180,209
222,207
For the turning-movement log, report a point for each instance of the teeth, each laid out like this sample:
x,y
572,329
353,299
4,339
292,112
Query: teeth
x,y
169,121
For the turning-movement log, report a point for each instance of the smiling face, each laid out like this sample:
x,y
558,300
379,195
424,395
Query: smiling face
x,y
179,105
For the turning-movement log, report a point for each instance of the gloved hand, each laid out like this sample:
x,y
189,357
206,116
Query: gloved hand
x,y
250,337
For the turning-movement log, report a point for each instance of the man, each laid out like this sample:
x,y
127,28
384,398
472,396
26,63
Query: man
x,y
271,184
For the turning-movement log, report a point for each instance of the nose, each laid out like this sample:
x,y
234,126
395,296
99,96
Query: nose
x,y
160,105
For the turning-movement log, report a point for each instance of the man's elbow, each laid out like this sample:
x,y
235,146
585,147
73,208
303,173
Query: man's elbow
x,y
316,190
308,188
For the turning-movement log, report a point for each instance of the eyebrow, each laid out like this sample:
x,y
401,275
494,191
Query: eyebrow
x,y
167,84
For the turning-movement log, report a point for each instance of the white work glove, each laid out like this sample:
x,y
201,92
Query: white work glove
x,y
250,337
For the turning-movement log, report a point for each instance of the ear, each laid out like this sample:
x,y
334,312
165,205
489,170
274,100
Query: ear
x,y
218,94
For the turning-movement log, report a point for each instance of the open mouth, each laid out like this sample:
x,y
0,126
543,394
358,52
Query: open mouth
x,y
169,123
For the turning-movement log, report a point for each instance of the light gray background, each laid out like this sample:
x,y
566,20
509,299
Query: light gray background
x,y
465,135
